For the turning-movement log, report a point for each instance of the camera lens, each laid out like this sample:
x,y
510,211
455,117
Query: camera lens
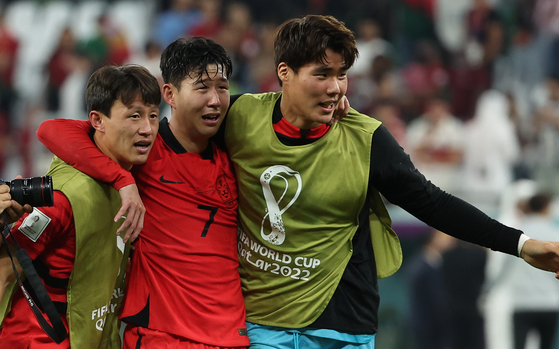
x,y
36,191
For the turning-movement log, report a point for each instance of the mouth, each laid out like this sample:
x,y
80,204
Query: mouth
x,y
142,146
329,105
210,117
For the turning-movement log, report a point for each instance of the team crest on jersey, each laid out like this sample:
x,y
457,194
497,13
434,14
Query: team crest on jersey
x,y
223,189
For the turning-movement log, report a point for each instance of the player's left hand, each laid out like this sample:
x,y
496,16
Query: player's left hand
x,y
341,110
542,255
133,212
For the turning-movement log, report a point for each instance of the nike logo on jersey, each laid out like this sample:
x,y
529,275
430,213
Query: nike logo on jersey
x,y
163,180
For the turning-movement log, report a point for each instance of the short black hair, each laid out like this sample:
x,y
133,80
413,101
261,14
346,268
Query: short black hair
x,y
111,83
300,41
190,58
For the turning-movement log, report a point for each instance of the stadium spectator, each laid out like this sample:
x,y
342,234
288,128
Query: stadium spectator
x,y
546,133
535,298
491,149
59,68
240,40
211,23
8,95
175,22
429,304
435,143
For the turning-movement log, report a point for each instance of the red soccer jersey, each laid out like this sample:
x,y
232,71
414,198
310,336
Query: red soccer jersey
x,y
184,278
49,236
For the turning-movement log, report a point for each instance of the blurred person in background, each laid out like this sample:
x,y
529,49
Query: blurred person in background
x,y
463,270
535,299
175,22
429,304
485,38
370,45
239,38
491,148
435,144
211,22
108,45
546,133
8,95
425,77
71,94
262,66
496,298
149,58
546,18
369,65
389,113
59,68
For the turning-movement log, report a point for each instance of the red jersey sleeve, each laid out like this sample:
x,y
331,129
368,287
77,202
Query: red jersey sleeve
x,y
35,231
77,149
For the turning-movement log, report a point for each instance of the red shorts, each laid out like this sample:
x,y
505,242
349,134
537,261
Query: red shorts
x,y
137,337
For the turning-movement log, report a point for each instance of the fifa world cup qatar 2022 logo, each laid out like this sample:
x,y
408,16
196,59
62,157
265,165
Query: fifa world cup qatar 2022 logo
x,y
274,213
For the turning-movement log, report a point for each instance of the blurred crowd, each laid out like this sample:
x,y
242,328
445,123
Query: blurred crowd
x,y
469,88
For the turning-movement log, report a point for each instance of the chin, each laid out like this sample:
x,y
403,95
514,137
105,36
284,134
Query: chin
x,y
140,160
324,119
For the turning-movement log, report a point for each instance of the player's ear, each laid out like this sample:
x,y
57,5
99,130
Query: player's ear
x,y
283,72
96,120
169,93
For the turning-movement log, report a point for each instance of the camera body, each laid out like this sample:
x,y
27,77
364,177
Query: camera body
x,y
35,191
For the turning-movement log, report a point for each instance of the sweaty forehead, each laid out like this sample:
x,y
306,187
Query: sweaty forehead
x,y
214,69
211,72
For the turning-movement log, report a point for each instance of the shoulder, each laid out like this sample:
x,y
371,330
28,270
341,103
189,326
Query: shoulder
x,y
255,98
359,121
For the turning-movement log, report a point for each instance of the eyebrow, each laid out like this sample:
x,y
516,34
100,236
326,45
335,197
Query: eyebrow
x,y
207,78
135,106
326,68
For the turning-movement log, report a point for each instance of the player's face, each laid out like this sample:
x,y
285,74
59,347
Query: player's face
x,y
130,131
201,104
312,95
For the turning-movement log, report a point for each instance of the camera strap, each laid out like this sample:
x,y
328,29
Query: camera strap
x,y
57,332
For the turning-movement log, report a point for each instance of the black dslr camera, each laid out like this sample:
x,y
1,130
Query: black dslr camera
x,y
35,191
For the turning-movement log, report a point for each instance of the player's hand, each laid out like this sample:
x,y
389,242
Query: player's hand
x,y
542,255
14,212
132,211
5,197
10,210
341,110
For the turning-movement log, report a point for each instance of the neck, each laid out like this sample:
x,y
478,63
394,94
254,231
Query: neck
x,y
189,143
293,116
98,139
